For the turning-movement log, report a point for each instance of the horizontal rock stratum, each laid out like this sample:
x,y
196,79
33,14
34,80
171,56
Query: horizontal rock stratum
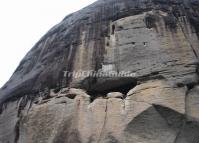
x,y
156,40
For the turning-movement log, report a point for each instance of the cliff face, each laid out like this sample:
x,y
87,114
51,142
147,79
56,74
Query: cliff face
x,y
158,40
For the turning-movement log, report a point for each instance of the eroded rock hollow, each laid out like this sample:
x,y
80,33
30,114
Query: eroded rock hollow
x,y
157,40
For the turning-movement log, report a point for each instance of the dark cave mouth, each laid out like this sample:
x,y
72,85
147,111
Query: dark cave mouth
x,y
123,88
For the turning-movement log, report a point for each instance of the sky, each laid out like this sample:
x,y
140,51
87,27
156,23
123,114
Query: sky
x,y
23,23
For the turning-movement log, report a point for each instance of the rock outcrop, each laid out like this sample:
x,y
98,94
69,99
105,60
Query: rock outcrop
x,y
155,40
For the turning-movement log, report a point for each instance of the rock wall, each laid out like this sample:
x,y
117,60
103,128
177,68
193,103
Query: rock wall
x,y
156,40
152,112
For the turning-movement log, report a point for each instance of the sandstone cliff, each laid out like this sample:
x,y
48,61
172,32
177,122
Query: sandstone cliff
x,y
156,39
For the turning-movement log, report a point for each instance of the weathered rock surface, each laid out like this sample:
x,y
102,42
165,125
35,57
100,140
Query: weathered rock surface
x,y
155,40
140,117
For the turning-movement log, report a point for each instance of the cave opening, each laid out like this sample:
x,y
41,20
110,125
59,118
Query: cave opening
x,y
123,88
145,44
150,21
113,29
